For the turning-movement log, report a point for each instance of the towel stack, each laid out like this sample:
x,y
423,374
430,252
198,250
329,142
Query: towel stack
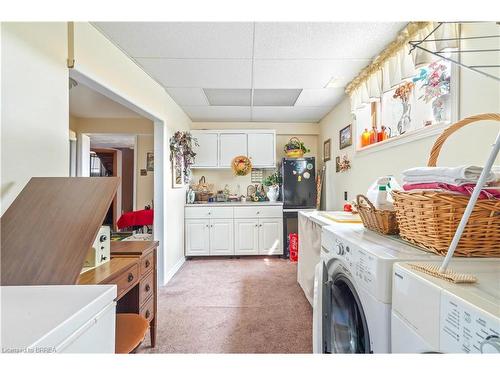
x,y
460,180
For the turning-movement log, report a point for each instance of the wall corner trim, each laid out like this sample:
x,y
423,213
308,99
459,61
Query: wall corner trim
x,y
174,270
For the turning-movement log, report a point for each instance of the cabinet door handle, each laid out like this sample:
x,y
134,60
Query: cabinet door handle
x,y
207,225
256,225
260,225
130,277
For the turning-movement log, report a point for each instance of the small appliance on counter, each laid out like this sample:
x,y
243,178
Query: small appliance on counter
x,y
100,252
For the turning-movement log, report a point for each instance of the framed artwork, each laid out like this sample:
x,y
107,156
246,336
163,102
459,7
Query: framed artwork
x,y
177,174
337,164
327,149
150,162
345,137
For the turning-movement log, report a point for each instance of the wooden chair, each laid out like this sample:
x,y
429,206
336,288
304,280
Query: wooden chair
x,y
130,332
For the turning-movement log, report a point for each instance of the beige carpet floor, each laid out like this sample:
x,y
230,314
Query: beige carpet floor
x,y
247,305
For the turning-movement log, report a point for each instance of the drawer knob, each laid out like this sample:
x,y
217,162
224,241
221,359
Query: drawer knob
x,y
130,277
147,314
147,288
258,212
148,263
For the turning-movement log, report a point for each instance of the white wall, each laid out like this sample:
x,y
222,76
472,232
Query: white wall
x,y
307,132
478,94
34,107
35,112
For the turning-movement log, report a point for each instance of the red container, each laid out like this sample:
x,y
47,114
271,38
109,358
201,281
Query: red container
x,y
293,246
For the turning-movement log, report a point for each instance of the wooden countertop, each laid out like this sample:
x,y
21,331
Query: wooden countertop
x,y
106,271
132,247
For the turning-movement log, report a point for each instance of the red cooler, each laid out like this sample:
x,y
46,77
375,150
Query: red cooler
x,y
293,246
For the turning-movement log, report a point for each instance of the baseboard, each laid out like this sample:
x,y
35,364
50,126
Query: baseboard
x,y
174,270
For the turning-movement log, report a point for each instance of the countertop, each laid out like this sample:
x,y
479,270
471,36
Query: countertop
x,y
232,204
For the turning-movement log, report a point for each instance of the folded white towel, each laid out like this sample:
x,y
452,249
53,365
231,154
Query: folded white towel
x,y
465,174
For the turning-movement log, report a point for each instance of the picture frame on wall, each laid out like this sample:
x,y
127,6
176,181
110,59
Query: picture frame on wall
x,y
177,174
337,164
345,137
150,162
327,150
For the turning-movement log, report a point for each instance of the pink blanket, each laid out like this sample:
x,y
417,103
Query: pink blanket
x,y
465,189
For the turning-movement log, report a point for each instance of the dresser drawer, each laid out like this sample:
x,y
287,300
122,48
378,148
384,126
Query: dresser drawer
x,y
126,280
146,288
148,309
147,263
209,212
258,211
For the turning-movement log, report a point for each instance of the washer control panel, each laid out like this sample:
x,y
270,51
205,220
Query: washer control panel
x,y
362,264
466,329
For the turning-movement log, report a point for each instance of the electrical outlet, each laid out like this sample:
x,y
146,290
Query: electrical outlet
x,y
345,196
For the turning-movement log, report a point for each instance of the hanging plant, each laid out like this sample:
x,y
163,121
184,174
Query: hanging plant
x,y
181,149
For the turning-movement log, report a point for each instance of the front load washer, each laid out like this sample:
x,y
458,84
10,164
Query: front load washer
x,y
432,315
352,289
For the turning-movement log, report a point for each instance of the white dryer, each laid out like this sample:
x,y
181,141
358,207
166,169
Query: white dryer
x,y
433,315
352,289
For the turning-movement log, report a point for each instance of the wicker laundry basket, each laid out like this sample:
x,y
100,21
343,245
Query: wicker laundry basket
x,y
382,221
430,219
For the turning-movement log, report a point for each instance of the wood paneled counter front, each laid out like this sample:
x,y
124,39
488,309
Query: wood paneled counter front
x,y
133,269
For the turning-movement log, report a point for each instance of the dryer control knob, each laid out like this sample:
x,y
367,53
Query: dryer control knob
x,y
340,248
491,344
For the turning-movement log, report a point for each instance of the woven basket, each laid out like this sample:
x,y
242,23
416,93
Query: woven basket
x,y
430,219
297,153
381,221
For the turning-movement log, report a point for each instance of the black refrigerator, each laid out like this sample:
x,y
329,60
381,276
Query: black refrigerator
x,y
298,192
298,189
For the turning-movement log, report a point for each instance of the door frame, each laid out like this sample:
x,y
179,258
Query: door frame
x,y
161,166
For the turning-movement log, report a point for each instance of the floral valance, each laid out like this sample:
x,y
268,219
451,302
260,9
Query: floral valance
x,y
395,63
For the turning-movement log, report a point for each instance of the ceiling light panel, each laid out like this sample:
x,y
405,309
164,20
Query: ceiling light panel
x,y
275,97
228,97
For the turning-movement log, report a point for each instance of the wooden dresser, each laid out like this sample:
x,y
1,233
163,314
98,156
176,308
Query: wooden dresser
x,y
144,301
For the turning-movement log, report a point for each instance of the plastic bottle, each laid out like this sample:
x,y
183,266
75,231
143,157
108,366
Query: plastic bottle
x,y
381,202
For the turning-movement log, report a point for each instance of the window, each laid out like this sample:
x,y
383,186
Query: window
x,y
417,103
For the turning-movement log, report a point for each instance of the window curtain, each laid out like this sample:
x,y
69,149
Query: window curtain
x,y
396,64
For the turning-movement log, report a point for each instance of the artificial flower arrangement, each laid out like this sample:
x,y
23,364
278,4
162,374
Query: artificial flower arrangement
x,y
344,164
403,91
435,81
181,149
295,148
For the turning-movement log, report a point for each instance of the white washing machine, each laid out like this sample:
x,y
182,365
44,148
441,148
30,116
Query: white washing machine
x,y
433,315
352,289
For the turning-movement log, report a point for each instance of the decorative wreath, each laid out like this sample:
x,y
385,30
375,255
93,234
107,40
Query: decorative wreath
x,y
241,165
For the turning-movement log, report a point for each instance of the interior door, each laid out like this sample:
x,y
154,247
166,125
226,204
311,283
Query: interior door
x,y
270,236
246,237
207,149
197,237
262,149
221,237
230,146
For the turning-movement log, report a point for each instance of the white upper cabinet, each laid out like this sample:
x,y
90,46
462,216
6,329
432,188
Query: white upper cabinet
x,y
218,148
207,151
262,149
230,146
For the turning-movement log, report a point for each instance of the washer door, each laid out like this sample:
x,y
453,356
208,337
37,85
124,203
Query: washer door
x,y
347,322
321,307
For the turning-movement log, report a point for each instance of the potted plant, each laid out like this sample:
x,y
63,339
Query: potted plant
x,y
273,183
295,148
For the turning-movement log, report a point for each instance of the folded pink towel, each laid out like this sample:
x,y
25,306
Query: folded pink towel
x,y
465,189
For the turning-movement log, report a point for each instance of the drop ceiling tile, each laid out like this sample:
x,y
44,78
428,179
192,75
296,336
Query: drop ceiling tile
x,y
236,73
229,97
319,97
181,39
289,114
275,97
323,40
218,113
311,74
187,96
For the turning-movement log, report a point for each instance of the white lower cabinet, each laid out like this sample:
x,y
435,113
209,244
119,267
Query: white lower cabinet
x,y
221,237
246,234
256,230
270,236
197,237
